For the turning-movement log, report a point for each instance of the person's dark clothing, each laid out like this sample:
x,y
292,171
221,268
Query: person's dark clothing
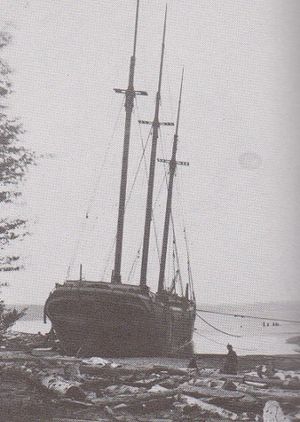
x,y
193,363
231,363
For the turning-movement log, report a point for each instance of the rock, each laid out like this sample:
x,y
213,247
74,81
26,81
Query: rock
x,y
273,413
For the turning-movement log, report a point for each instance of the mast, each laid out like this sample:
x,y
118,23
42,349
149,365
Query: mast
x,y
129,102
172,166
155,127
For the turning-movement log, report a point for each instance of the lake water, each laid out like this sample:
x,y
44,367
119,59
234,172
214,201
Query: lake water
x,y
247,336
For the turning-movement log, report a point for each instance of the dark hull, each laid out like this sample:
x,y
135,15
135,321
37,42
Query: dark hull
x,y
102,319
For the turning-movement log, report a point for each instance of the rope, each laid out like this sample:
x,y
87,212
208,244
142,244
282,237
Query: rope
x,y
93,194
223,344
133,266
142,158
176,254
215,328
249,316
190,274
172,219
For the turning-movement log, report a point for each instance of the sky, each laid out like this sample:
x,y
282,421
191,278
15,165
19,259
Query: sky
x,y
239,197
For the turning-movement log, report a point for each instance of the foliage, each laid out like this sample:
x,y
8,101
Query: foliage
x,y
8,317
14,162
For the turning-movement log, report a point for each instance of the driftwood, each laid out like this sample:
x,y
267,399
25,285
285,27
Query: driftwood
x,y
210,392
75,403
272,394
119,371
273,413
210,408
79,420
133,398
61,387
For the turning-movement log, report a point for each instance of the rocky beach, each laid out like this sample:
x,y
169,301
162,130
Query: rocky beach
x,y
39,384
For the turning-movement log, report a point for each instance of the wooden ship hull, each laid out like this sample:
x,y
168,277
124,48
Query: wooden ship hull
x,y
102,319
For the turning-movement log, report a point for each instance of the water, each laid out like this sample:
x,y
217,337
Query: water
x,y
248,336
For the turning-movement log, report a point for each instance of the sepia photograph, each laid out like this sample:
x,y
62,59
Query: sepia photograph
x,y
149,196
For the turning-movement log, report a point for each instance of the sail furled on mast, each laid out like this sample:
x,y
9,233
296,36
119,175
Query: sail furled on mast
x,y
130,94
172,168
155,129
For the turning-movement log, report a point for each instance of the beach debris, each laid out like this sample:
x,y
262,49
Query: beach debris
x,y
100,362
63,387
229,385
43,351
210,392
72,372
210,408
154,392
133,398
273,413
113,390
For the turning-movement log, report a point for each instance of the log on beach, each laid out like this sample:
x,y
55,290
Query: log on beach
x,y
138,371
62,387
130,399
288,396
210,408
210,392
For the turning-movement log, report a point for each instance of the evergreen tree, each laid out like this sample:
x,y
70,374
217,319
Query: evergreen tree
x,y
14,161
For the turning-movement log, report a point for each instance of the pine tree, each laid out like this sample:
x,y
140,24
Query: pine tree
x,y
14,162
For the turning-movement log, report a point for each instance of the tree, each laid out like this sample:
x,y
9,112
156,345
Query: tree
x,y
14,162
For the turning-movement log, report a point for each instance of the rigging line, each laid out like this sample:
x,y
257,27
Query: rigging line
x,y
185,233
92,197
133,266
155,202
172,219
156,238
141,135
249,316
176,253
144,146
189,263
222,344
215,328
109,257
142,158
146,171
185,238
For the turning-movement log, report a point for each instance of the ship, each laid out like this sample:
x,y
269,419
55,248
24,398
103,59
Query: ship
x,y
112,318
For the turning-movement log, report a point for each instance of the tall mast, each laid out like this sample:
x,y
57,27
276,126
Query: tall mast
x,y
129,102
172,167
155,127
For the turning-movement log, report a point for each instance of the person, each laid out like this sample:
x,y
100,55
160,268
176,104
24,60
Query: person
x,y
231,362
193,363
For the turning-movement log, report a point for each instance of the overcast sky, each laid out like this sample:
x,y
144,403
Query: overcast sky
x,y
239,131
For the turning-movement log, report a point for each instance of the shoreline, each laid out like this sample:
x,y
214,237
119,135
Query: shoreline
x,y
40,384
